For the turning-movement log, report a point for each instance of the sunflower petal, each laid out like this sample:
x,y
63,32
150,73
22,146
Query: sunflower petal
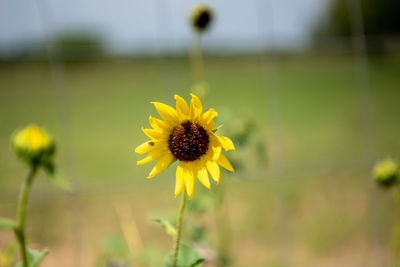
x,y
214,170
216,152
145,147
151,156
196,108
180,180
161,165
189,180
207,119
158,124
155,134
166,112
225,142
203,177
224,162
182,108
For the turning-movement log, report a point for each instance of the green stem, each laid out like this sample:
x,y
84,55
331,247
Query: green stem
x,y
196,58
179,230
224,228
20,228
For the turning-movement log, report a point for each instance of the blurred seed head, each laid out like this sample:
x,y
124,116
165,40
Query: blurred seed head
x,y
386,172
201,17
33,145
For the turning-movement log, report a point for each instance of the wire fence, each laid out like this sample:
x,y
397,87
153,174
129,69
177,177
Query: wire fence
x,y
269,56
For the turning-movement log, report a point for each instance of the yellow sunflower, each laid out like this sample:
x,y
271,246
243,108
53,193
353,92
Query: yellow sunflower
x,y
187,135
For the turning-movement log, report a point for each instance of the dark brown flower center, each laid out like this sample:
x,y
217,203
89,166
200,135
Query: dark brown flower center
x,y
188,141
203,20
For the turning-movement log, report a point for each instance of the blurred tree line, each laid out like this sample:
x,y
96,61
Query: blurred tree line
x,y
68,46
77,45
381,21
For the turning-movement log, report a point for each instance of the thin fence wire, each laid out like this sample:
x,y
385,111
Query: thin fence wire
x,y
366,108
60,86
273,98
271,85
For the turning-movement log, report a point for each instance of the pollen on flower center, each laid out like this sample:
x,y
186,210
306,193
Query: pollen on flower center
x,y
188,141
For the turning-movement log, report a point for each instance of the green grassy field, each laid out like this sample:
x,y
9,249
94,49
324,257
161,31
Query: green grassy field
x,y
312,203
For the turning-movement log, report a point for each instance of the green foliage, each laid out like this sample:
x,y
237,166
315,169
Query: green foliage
x,y
196,233
58,180
187,257
246,134
7,224
114,252
168,227
8,254
151,257
379,18
34,258
207,200
78,45
114,245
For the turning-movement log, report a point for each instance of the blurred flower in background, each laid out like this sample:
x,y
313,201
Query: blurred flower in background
x,y
386,172
34,146
200,17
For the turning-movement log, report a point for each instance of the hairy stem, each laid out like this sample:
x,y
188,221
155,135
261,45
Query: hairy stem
x,y
20,228
179,229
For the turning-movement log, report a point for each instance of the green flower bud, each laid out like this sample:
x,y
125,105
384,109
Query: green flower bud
x,y
386,172
201,17
33,146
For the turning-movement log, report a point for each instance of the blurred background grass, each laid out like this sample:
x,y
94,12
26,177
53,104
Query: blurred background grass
x,y
312,202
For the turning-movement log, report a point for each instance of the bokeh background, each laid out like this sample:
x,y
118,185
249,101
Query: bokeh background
x,y
317,81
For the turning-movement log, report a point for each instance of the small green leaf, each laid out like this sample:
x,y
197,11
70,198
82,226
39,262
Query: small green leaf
x,y
34,258
7,224
60,181
197,263
57,179
167,226
187,257
217,128
49,167
37,257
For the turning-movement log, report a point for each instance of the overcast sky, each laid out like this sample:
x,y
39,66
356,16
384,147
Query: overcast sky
x,y
154,25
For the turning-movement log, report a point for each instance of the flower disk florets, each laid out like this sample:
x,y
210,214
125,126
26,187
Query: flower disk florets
x,y
186,134
386,172
201,17
188,141
33,145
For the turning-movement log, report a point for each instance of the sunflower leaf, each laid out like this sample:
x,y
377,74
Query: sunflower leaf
x,y
57,179
168,227
34,258
188,257
7,224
